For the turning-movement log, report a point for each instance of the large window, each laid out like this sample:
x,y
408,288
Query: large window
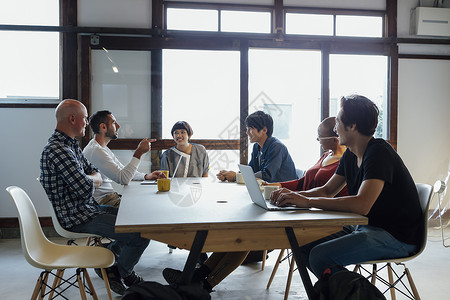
x,y
366,75
202,88
218,63
287,85
29,69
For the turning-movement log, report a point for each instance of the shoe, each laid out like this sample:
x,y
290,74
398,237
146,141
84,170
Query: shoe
x,y
132,279
115,282
98,271
171,276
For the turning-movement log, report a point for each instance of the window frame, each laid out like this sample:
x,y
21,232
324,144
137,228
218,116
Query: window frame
x,y
162,39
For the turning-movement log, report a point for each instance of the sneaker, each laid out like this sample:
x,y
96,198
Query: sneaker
x,y
98,271
115,282
171,276
132,279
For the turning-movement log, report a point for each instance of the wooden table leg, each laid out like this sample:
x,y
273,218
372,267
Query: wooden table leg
x,y
194,255
312,295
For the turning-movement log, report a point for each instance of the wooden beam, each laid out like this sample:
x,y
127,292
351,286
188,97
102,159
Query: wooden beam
x,y
131,144
69,48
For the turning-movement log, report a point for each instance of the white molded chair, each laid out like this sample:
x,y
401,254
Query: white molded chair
x,y
72,236
44,254
425,192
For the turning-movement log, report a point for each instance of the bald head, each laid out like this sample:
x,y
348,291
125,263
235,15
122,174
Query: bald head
x,y
326,127
71,117
66,108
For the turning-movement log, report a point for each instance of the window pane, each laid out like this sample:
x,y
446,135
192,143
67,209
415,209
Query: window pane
x,y
29,66
287,85
245,21
359,26
361,74
192,19
310,24
29,12
222,160
203,89
121,84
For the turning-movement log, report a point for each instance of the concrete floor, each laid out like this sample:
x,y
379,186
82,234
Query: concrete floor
x,y
430,273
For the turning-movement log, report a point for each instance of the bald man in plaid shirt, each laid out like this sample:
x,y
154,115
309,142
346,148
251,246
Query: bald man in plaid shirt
x,y
69,180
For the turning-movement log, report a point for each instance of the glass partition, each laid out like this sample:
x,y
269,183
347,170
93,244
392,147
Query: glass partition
x,y
121,84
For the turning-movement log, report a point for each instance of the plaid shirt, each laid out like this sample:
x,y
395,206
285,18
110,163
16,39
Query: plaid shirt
x,y
64,172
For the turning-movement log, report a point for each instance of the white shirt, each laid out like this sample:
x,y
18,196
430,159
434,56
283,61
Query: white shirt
x,y
111,169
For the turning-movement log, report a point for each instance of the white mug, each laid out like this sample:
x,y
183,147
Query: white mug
x,y
239,178
268,189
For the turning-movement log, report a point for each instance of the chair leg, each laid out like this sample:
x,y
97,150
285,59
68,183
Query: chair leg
x,y
90,285
59,274
391,281
81,285
411,283
106,281
289,279
264,260
43,285
356,268
37,287
275,268
374,274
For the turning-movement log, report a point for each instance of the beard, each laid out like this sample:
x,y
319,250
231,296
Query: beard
x,y
111,134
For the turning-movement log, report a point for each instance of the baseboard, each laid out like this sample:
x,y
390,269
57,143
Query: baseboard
x,y
9,227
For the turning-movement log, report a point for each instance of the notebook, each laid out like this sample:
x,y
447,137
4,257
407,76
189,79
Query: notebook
x,y
255,192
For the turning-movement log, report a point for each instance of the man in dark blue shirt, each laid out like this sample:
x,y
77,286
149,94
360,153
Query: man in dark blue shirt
x,y
379,186
69,180
270,159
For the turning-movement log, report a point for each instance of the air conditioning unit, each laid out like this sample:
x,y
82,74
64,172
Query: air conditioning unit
x,y
431,21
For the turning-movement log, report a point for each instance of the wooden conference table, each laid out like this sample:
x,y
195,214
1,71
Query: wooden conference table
x,y
205,215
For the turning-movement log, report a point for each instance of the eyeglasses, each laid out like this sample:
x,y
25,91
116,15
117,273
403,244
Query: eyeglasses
x,y
325,138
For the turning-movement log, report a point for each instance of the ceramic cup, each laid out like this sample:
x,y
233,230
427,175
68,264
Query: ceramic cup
x,y
268,189
163,184
239,178
166,172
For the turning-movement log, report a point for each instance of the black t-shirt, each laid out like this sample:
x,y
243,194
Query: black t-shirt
x,y
397,209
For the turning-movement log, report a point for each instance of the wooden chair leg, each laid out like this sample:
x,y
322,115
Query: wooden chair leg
x,y
411,283
275,268
264,260
391,281
90,285
107,286
356,268
37,288
374,274
43,285
289,279
81,285
59,274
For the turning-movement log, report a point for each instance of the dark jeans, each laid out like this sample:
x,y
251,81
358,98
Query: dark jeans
x,y
130,245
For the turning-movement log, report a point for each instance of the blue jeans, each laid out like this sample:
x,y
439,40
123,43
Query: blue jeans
x,y
127,247
353,245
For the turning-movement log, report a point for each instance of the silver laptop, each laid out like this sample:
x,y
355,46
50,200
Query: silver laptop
x,y
150,182
255,192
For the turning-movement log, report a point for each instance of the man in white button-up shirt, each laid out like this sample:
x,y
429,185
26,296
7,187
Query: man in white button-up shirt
x,y
105,128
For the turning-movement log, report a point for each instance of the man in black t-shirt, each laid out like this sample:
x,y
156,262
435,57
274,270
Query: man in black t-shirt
x,y
379,186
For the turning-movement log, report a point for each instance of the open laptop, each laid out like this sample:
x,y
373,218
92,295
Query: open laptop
x,y
255,192
150,182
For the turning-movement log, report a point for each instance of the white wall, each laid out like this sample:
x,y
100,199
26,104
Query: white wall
x,y
24,133
423,118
